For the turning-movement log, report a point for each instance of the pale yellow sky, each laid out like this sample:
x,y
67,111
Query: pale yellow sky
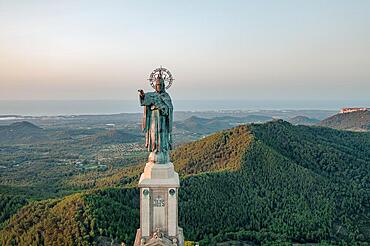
x,y
218,50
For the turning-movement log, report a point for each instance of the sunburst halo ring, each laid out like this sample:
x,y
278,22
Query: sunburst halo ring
x,y
166,75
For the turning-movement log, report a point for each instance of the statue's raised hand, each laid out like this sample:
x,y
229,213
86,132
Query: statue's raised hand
x,y
141,93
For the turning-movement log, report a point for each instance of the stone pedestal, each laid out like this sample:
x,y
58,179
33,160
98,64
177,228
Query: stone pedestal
x,y
158,206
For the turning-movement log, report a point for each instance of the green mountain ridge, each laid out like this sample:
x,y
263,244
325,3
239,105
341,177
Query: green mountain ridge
x,y
303,120
355,121
22,132
210,125
261,183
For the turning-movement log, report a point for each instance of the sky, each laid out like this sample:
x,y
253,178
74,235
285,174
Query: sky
x,y
216,50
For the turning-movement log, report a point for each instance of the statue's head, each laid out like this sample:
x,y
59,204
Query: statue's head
x,y
159,85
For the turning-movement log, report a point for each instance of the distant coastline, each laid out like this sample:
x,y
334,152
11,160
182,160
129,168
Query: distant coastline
x,y
13,108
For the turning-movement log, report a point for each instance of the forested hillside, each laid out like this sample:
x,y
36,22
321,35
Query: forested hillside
x,y
355,121
22,132
303,120
259,183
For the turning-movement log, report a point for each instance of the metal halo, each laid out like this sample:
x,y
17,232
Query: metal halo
x,y
166,75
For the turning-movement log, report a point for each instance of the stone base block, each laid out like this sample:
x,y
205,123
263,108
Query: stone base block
x,y
158,185
159,175
160,241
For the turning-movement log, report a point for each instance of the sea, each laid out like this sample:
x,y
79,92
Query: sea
x,y
80,107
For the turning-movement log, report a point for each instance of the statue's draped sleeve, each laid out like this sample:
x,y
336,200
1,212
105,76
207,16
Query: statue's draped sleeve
x,y
146,101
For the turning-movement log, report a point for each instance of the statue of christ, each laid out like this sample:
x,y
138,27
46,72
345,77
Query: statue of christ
x,y
157,122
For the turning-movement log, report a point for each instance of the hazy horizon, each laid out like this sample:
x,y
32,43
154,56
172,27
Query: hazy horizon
x,y
77,107
216,50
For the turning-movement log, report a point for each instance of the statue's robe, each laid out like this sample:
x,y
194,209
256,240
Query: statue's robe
x,y
157,121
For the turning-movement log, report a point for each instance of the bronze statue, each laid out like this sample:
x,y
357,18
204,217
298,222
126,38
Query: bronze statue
x,y
158,116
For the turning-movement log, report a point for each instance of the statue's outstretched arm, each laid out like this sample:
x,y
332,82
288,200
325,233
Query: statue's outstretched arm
x,y
146,99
